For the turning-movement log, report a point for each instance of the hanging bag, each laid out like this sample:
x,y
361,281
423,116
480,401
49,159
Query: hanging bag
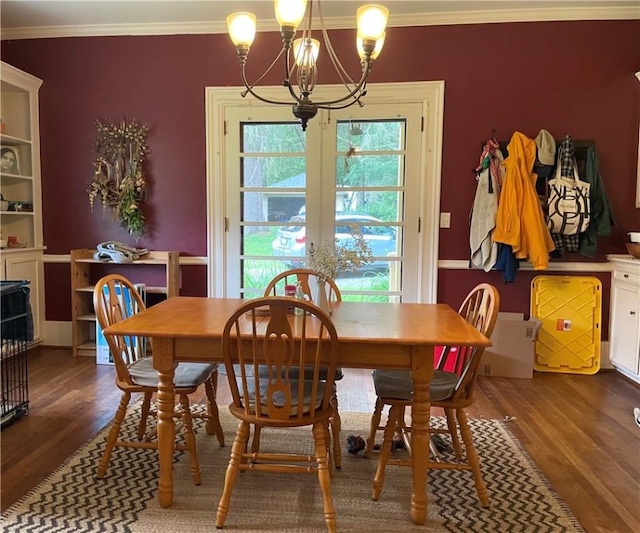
x,y
569,203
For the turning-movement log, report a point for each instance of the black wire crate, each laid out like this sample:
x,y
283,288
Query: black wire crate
x,y
16,333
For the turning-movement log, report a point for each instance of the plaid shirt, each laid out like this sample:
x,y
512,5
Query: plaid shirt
x,y
566,243
567,157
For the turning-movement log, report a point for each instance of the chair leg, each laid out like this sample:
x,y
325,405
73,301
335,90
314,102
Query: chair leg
x,y
385,451
213,425
472,457
375,423
402,433
190,439
328,440
114,432
255,442
237,450
336,425
144,414
453,431
324,475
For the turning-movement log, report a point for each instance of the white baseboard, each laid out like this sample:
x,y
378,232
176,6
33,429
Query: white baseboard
x,y
605,363
57,333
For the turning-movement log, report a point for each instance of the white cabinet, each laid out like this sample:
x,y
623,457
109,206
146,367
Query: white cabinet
x,y
28,265
21,210
624,329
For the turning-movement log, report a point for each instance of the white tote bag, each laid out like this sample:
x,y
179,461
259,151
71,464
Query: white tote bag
x,y
569,204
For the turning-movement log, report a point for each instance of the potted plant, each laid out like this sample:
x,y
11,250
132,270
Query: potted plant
x,y
329,259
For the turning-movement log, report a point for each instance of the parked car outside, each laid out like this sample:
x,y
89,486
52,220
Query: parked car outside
x,y
291,239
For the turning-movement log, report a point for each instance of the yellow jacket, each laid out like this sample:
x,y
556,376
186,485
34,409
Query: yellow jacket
x,y
519,220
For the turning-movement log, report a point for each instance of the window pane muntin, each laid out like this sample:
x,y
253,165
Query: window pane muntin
x,y
272,137
384,205
375,135
260,206
365,170
275,171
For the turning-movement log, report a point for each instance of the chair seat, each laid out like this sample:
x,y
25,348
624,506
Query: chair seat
x,y
279,399
187,375
397,384
308,373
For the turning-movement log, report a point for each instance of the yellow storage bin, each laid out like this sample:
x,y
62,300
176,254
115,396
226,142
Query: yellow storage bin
x,y
570,308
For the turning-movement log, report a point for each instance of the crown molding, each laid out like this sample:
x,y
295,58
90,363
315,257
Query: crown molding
x,y
419,19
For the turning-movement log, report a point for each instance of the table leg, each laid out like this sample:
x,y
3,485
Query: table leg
x,y
163,363
422,373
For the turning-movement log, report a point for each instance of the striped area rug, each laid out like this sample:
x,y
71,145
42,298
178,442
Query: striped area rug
x,y
73,500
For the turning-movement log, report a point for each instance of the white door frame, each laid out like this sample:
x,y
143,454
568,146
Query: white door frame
x,y
429,94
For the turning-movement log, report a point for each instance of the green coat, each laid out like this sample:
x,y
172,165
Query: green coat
x,y
601,214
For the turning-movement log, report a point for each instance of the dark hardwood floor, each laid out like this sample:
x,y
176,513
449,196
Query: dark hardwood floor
x,y
578,429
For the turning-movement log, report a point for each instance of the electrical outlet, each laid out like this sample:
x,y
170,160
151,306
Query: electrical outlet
x,y
445,220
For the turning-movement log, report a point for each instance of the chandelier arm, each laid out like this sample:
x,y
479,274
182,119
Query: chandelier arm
x,y
356,100
344,76
287,81
249,89
357,89
247,85
337,65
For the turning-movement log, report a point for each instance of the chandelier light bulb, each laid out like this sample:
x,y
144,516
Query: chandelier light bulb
x,y
242,28
372,21
289,13
305,51
377,49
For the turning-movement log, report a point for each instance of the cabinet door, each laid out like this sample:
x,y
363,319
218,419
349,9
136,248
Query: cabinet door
x,y
625,327
28,266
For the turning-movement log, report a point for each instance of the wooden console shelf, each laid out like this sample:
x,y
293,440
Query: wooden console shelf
x,y
84,276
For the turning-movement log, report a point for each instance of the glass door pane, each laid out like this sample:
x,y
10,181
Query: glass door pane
x,y
371,162
286,189
267,193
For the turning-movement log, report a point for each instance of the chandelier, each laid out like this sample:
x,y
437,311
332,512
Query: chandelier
x,y
300,55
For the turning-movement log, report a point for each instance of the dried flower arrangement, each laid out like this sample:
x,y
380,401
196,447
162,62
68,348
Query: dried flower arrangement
x,y
118,180
330,258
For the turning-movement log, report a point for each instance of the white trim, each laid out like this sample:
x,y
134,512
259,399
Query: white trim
x,y
398,20
215,104
57,333
66,259
638,175
430,95
456,264
445,264
491,16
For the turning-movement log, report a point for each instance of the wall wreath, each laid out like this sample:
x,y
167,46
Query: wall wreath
x,y
118,180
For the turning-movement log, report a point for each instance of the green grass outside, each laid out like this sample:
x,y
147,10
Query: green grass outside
x,y
259,272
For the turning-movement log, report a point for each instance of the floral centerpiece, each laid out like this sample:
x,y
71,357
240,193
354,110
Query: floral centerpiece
x,y
330,258
118,180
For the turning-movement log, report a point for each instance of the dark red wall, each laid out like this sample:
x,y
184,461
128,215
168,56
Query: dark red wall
x,y
567,77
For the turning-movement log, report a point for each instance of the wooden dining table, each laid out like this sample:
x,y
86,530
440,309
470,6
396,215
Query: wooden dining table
x,y
371,335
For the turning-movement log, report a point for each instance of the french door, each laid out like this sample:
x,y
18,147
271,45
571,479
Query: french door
x,y
284,189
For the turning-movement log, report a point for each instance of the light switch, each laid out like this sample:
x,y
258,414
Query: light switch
x,y
445,220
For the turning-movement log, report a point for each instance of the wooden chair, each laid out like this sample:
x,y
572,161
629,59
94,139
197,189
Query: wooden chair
x,y
303,275
307,279
451,390
116,298
265,332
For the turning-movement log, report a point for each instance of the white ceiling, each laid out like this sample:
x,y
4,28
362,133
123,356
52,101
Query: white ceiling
x,y
25,19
